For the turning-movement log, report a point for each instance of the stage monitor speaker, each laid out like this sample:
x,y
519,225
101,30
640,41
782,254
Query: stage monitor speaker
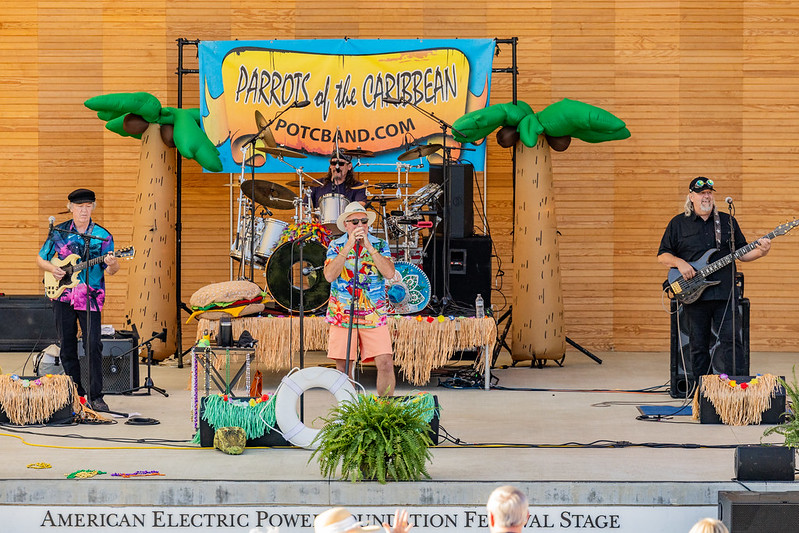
x,y
772,415
759,512
26,323
469,266
120,369
461,201
682,386
765,463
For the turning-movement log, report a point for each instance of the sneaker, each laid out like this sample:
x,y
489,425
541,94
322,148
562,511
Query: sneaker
x,y
99,405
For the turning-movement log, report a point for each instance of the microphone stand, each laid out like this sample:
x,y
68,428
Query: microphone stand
x,y
148,382
352,310
445,167
733,298
87,239
250,144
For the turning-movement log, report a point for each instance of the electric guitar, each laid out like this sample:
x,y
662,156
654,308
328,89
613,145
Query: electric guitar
x,y
688,291
54,287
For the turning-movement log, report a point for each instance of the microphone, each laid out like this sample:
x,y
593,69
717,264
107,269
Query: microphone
x,y
160,336
308,270
392,100
52,221
728,200
301,103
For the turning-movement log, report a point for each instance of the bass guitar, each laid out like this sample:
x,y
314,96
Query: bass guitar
x,y
54,287
688,291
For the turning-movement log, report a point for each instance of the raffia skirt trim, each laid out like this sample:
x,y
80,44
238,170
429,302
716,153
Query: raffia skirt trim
x,y
734,405
419,345
36,404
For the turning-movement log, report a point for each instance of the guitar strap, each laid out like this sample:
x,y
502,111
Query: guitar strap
x,y
717,225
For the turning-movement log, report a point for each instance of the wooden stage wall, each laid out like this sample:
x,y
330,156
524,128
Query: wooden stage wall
x,y
706,88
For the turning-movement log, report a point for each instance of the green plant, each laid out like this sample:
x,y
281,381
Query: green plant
x,y
377,438
790,427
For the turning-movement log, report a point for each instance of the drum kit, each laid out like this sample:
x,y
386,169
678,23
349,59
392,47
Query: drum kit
x,y
271,245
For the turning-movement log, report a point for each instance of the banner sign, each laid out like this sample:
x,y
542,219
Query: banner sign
x,y
321,93
286,519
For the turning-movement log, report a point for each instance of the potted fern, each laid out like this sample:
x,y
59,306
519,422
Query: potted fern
x,y
789,428
377,438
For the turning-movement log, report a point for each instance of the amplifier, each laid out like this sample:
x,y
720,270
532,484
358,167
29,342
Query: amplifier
x,y
120,365
27,323
759,512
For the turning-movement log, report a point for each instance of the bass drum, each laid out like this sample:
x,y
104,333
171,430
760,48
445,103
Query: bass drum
x,y
284,266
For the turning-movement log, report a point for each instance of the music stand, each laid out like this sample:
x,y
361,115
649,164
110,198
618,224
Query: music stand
x,y
148,381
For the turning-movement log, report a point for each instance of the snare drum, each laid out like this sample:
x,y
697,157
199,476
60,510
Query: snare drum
x,y
330,207
270,235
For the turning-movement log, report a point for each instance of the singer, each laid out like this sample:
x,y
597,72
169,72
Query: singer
x,y
339,180
366,285
708,320
71,307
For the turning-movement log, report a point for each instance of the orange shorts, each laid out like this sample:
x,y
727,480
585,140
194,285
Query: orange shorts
x,y
373,342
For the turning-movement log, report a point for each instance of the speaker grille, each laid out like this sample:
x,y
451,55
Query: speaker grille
x,y
120,372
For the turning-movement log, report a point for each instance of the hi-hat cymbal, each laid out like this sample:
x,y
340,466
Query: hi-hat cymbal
x,y
357,152
420,151
281,152
270,194
266,134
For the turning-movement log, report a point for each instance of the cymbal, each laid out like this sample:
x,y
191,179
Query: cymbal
x,y
281,152
420,151
308,181
357,152
266,134
270,194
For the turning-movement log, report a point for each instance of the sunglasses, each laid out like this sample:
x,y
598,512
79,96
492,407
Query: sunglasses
x,y
339,163
702,183
356,221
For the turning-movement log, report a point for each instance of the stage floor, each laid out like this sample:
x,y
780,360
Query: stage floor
x,y
481,421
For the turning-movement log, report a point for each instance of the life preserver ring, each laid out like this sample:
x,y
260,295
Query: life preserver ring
x,y
291,388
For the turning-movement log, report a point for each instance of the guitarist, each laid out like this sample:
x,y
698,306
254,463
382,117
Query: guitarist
x,y
687,237
70,307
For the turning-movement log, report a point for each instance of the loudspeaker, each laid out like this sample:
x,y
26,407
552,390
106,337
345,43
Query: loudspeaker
x,y
63,415
120,369
759,512
27,323
469,266
682,386
708,414
461,197
764,463
274,438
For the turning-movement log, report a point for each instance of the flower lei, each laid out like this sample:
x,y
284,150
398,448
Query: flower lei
x,y
733,384
25,383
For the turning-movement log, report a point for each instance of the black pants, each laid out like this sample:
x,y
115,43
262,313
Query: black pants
x,y
709,329
66,320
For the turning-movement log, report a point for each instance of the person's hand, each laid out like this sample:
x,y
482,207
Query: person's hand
x,y
58,273
764,245
111,260
401,524
686,269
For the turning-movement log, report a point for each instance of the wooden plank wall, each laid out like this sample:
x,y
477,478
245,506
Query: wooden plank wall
x,y
706,88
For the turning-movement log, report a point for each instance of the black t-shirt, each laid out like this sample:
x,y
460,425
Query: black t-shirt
x,y
689,237
353,195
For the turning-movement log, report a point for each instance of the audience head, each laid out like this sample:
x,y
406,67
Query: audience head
x,y
709,525
507,508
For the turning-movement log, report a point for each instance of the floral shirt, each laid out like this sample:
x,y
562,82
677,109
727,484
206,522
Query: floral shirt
x,y
65,244
368,287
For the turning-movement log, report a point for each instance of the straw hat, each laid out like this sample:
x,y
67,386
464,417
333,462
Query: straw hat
x,y
354,207
340,520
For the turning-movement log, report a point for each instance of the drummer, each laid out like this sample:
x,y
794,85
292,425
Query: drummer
x,y
340,180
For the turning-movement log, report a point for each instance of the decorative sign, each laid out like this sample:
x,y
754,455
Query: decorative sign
x,y
317,93
290,519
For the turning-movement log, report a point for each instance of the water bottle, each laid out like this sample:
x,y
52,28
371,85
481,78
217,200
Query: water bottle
x,y
479,307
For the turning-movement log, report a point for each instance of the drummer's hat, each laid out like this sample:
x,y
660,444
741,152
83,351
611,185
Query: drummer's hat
x,y
354,207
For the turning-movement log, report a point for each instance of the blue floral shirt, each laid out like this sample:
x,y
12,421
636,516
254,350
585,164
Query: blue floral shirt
x,y
369,286
64,245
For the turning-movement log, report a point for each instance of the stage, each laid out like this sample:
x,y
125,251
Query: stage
x,y
647,470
